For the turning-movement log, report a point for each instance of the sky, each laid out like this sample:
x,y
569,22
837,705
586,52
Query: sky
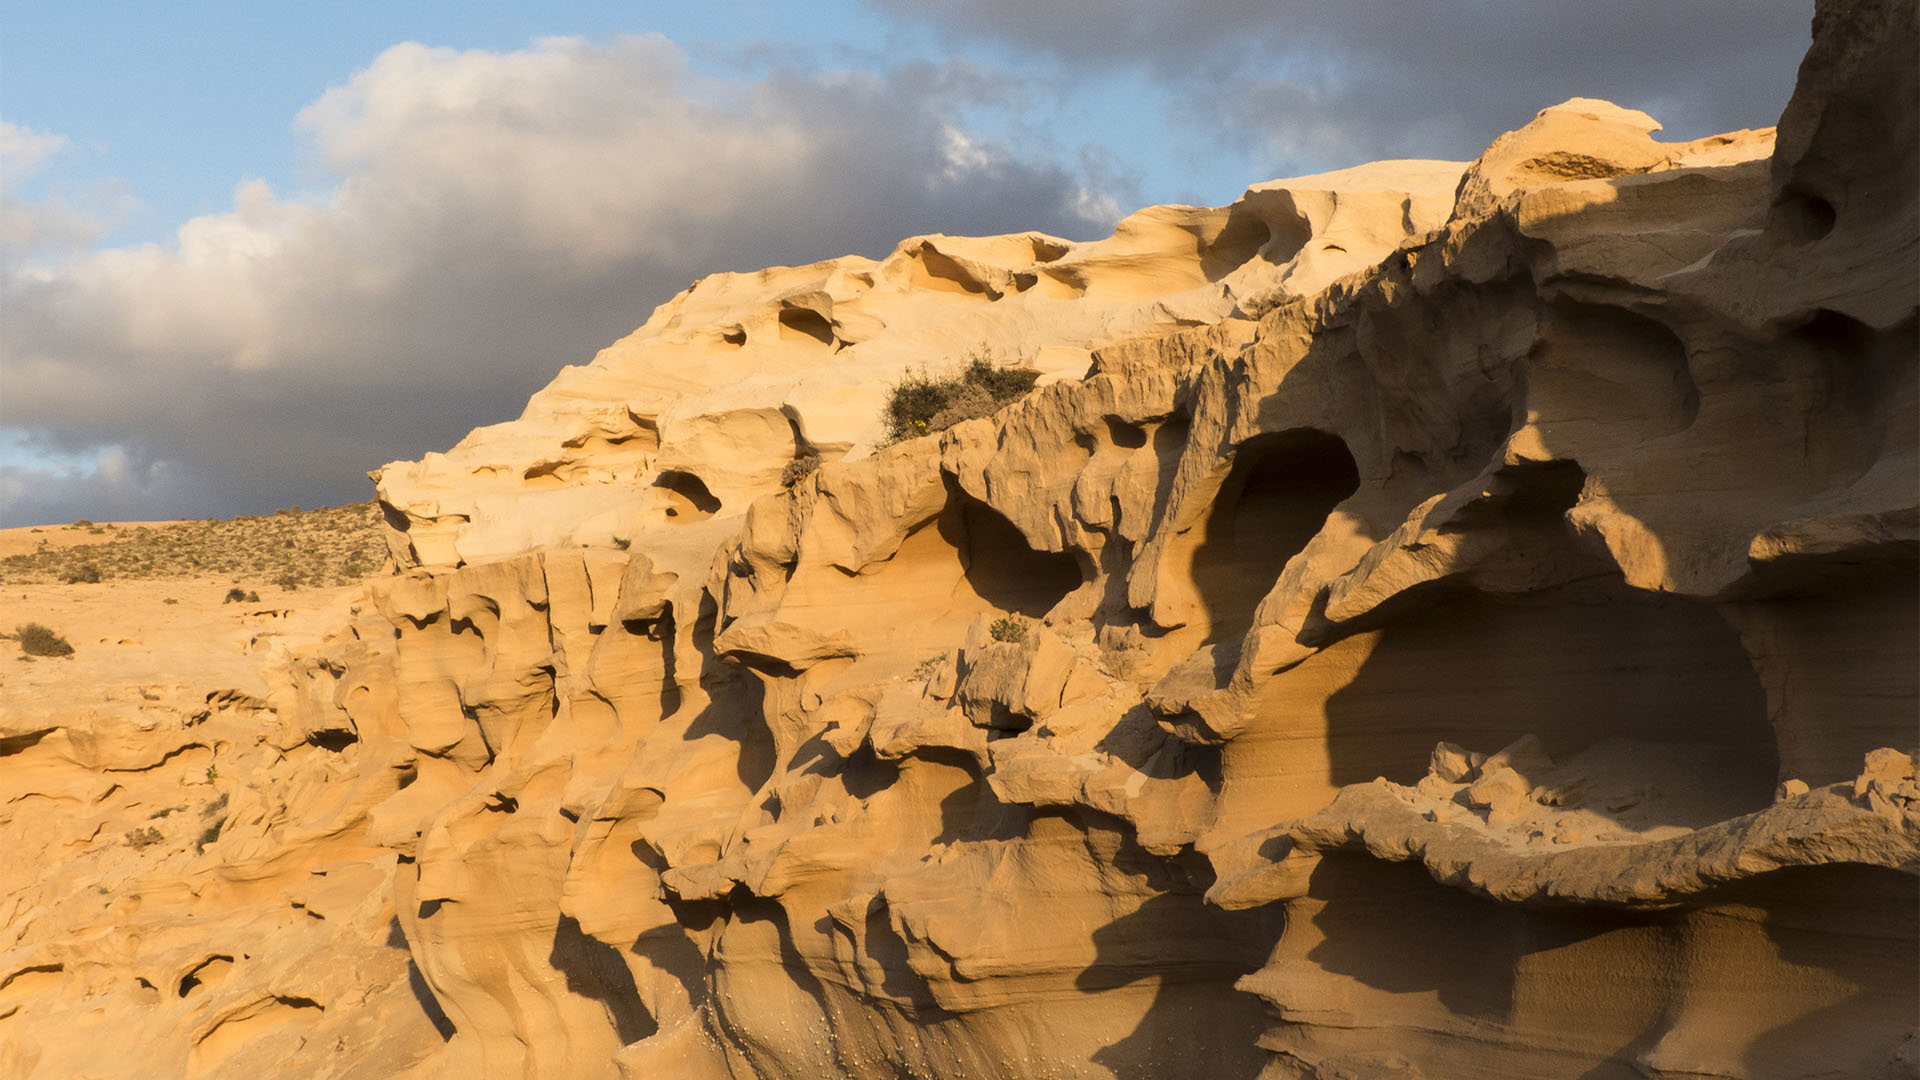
x,y
250,251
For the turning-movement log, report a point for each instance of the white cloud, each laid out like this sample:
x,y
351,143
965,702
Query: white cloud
x,y
962,154
49,227
23,149
496,215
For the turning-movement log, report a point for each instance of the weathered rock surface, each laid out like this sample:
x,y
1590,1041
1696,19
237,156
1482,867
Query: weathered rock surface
x,y
1431,620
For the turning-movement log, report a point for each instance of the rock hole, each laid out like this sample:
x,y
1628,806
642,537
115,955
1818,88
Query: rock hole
x,y
34,974
1062,282
1276,496
1838,647
1858,373
1125,435
248,1023
1000,721
1598,367
1046,250
1237,243
545,470
333,740
1574,665
395,518
14,744
998,562
797,324
1803,216
864,774
1528,495
941,273
206,973
692,499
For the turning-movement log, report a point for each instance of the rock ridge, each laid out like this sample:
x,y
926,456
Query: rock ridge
x,y
1432,619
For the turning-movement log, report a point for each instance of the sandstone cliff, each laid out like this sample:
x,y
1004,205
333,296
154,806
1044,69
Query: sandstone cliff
x,y
1430,620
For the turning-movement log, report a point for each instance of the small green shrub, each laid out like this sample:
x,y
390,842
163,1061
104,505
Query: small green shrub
x,y
144,838
208,835
84,574
288,581
799,469
921,404
238,595
1008,628
37,640
926,669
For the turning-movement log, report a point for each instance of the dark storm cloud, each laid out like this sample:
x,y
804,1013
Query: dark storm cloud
x,y
1318,84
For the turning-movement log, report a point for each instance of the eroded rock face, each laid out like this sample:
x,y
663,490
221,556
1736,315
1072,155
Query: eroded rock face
x,y
1430,622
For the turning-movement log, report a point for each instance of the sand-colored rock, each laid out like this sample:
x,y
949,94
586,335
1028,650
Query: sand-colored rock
x,y
1486,649
699,410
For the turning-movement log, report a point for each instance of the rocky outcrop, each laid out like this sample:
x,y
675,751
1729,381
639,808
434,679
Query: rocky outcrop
x,y
1429,620
696,413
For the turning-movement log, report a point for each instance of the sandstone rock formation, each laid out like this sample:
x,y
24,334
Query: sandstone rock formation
x,y
1431,620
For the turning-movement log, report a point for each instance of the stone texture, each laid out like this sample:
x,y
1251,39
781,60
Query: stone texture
x,y
1429,620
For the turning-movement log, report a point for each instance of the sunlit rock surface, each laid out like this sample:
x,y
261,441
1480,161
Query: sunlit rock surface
x,y
1431,620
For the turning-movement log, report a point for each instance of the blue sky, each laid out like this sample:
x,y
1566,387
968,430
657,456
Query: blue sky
x,y
182,101
197,195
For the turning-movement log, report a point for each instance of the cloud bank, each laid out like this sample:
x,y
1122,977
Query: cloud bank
x,y
1307,85
492,216
483,218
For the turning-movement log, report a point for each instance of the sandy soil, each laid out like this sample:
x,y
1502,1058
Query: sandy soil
x,y
150,640
29,538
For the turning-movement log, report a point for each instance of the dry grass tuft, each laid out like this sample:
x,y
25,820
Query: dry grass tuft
x,y
923,403
1008,628
37,640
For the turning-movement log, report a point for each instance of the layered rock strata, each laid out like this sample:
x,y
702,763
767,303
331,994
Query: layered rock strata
x,y
1430,620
